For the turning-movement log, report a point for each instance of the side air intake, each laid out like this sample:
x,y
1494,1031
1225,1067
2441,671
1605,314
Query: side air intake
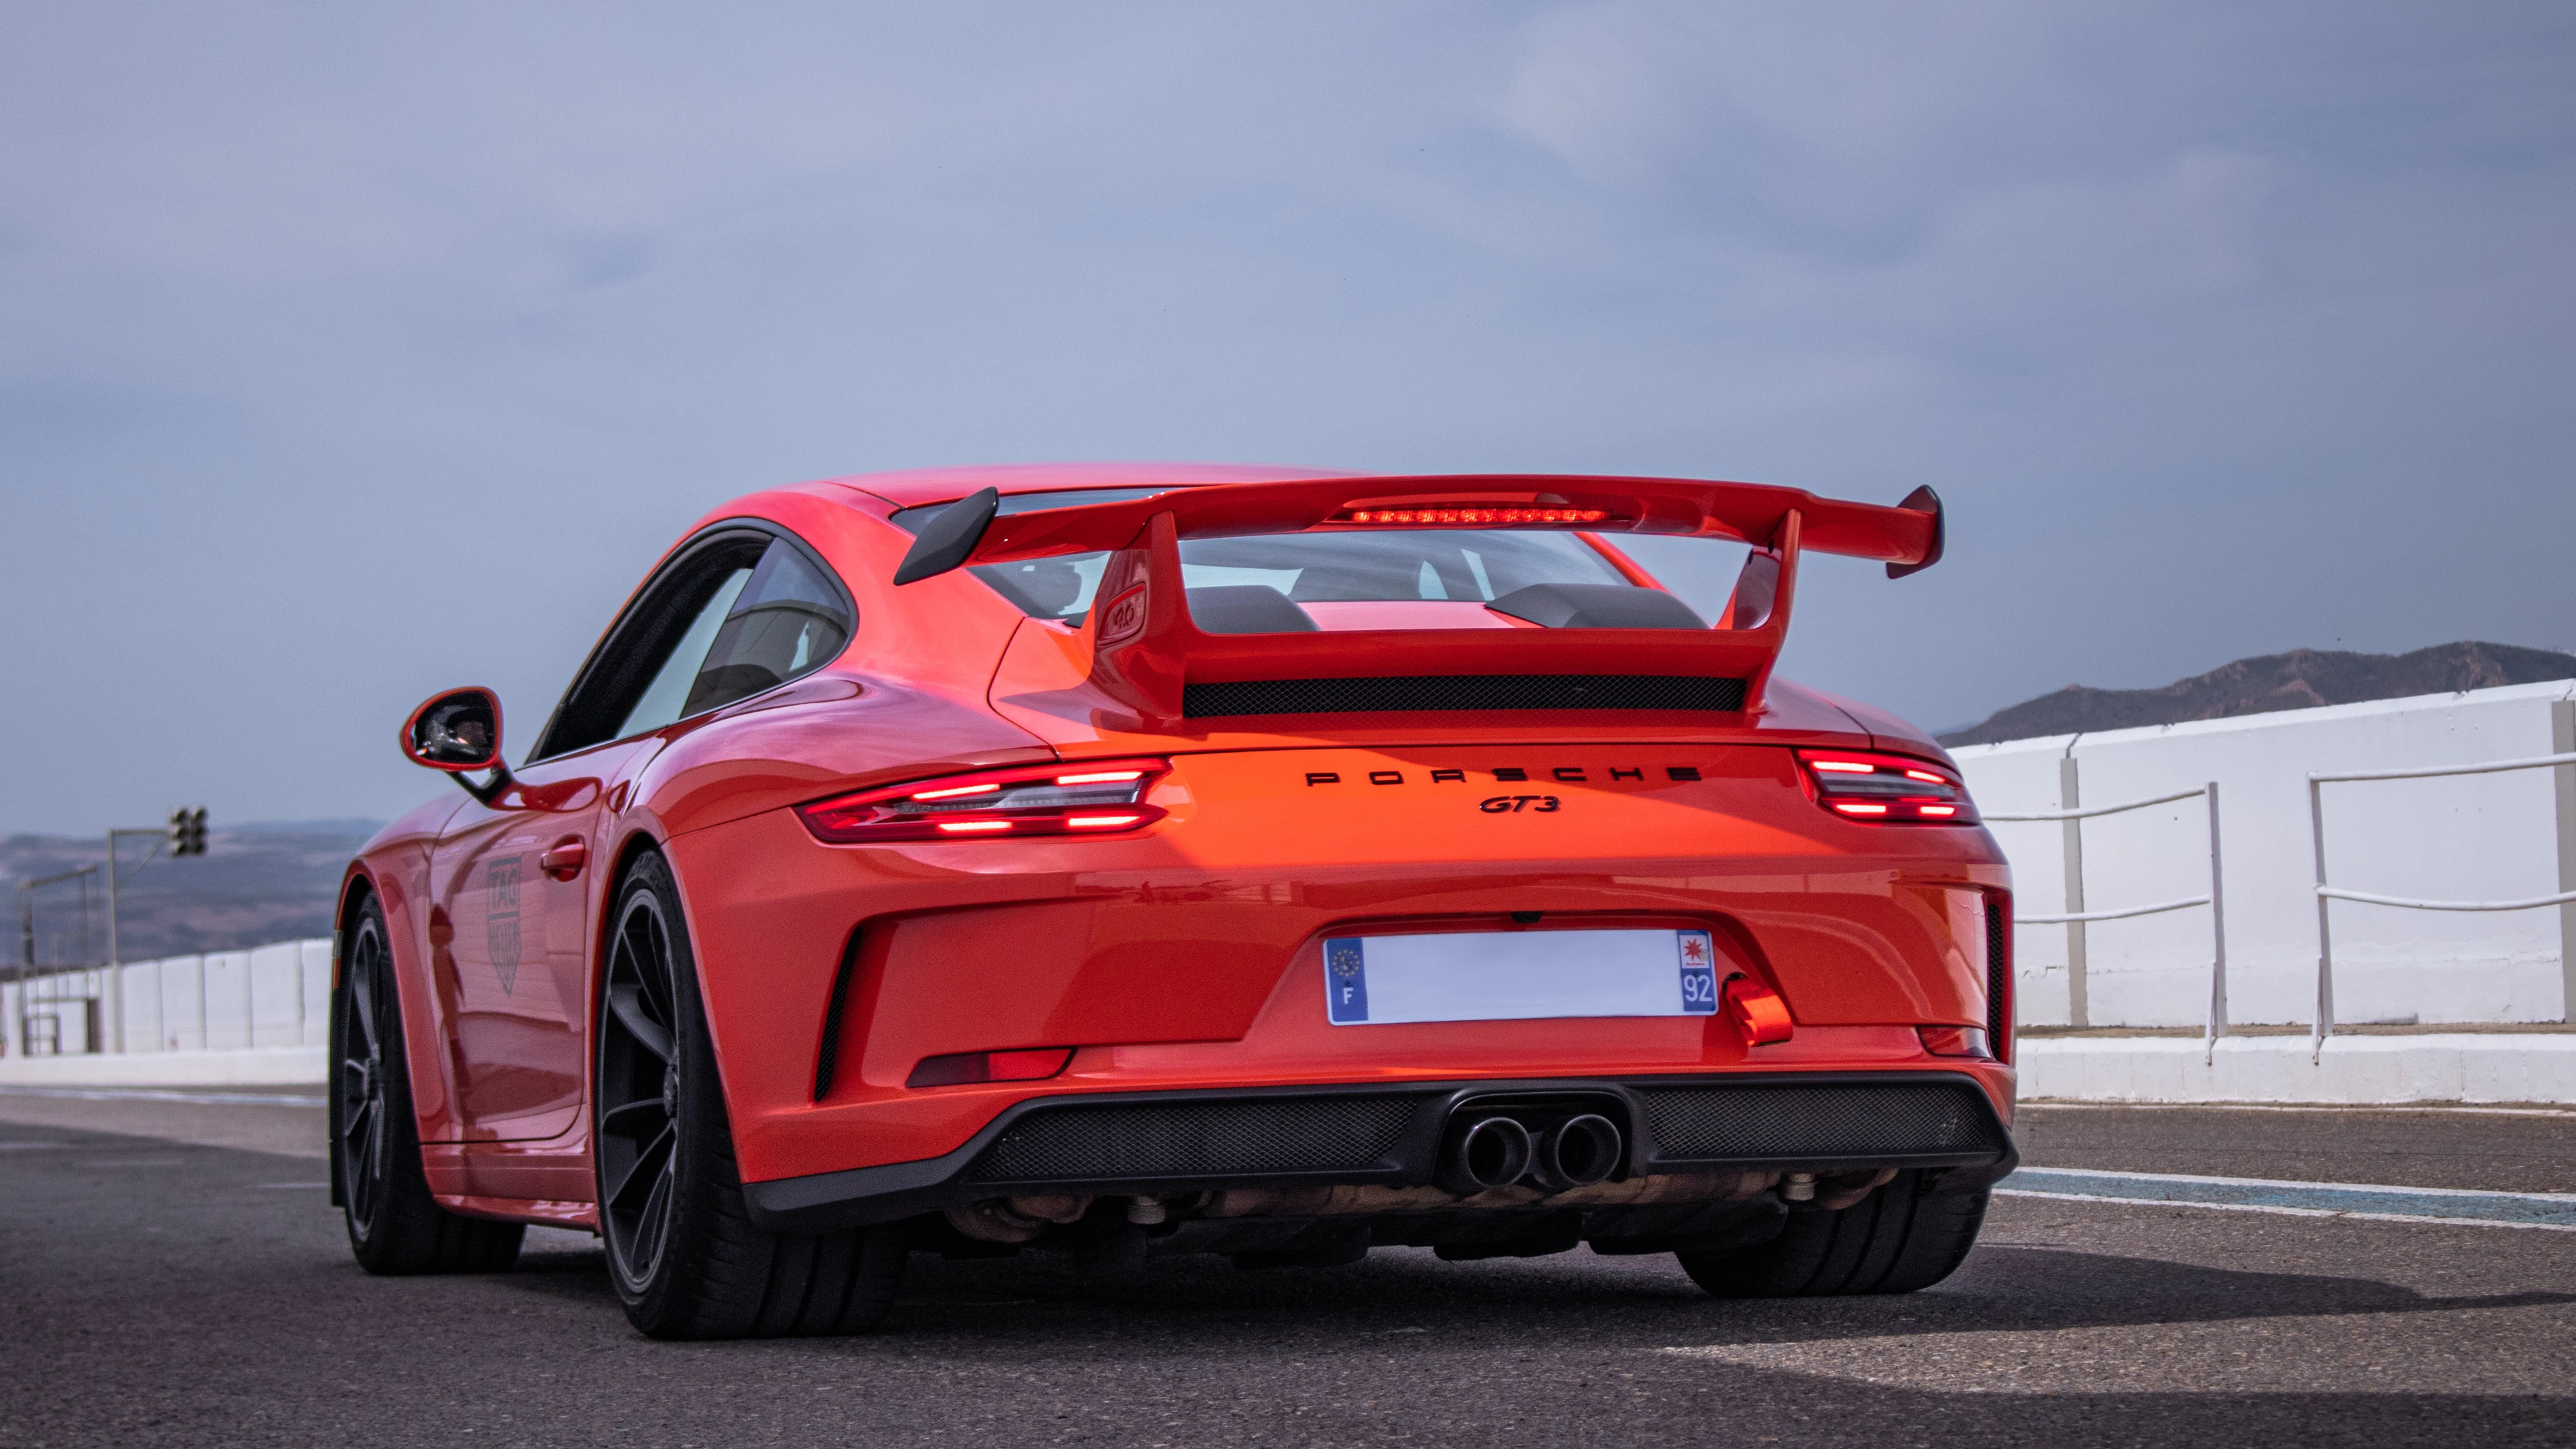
x,y
1463,692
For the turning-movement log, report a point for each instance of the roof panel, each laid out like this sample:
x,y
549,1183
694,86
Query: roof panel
x,y
915,487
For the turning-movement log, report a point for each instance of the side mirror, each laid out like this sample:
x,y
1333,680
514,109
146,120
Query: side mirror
x,y
457,732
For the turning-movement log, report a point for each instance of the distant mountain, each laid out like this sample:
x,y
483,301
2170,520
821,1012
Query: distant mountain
x,y
257,882
2300,679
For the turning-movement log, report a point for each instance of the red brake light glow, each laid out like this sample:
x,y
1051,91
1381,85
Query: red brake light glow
x,y
966,1068
1886,789
1470,517
1030,800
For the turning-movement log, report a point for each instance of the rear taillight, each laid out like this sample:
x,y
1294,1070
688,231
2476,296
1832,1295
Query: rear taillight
x,y
1102,798
1887,789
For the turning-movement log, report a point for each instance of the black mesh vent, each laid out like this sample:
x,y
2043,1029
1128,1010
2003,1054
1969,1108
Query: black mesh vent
x,y
1463,692
829,1053
1141,1140
1816,1120
1999,977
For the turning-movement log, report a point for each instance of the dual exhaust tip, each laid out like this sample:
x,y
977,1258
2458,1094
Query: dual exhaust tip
x,y
1493,1150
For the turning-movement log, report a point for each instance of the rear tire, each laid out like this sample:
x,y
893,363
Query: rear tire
x,y
1896,1240
395,1226
683,1254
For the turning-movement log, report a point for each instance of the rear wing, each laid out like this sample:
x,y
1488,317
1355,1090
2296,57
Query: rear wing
x,y
1147,651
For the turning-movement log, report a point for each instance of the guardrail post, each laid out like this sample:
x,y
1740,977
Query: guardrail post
x,y
2562,741
2217,934
2325,933
2069,797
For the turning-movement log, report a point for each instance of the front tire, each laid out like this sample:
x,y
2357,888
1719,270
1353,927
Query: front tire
x,y
395,1226
684,1255
1896,1240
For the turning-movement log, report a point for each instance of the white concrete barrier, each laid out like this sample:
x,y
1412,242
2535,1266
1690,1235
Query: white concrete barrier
x,y
2534,1067
277,995
2481,837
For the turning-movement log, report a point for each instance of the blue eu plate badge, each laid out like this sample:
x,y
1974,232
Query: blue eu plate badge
x,y
1346,980
1699,972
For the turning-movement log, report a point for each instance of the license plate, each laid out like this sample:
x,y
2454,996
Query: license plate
x,y
1518,976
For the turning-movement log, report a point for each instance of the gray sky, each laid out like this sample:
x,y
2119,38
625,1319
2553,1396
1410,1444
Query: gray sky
x,y
351,352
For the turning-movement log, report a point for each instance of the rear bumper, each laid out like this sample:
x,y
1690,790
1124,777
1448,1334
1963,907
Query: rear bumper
x,y
1171,1143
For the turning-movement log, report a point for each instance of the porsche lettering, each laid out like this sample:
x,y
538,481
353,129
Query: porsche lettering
x,y
1517,775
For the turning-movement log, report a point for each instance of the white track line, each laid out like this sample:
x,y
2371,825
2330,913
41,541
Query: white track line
x,y
2291,1212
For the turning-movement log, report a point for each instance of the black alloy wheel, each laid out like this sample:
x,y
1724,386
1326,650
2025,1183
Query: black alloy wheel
x,y
683,1254
364,1028
395,1225
639,1092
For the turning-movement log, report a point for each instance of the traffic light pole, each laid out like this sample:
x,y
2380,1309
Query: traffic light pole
x,y
177,834
116,963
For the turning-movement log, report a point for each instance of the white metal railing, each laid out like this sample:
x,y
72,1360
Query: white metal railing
x,y
2216,900
2326,894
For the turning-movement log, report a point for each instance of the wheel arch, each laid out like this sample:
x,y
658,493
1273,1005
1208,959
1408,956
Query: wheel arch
x,y
637,842
410,987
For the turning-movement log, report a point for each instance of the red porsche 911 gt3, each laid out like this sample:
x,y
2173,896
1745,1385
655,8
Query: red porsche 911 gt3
x,y
1130,860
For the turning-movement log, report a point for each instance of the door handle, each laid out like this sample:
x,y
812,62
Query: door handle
x,y
566,859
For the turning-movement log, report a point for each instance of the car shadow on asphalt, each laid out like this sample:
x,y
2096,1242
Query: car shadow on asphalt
x,y
1611,1301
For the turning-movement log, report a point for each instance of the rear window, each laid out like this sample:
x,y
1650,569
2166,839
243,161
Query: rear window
x,y
1473,564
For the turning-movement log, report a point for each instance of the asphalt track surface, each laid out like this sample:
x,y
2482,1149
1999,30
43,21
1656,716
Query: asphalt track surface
x,y
165,1280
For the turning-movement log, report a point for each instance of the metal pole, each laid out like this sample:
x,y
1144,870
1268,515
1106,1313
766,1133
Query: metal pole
x,y
2325,936
2217,936
115,966
2069,797
2562,740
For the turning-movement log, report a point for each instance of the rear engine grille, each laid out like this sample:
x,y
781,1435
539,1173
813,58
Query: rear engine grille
x,y
1797,1122
1144,1140
1463,692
